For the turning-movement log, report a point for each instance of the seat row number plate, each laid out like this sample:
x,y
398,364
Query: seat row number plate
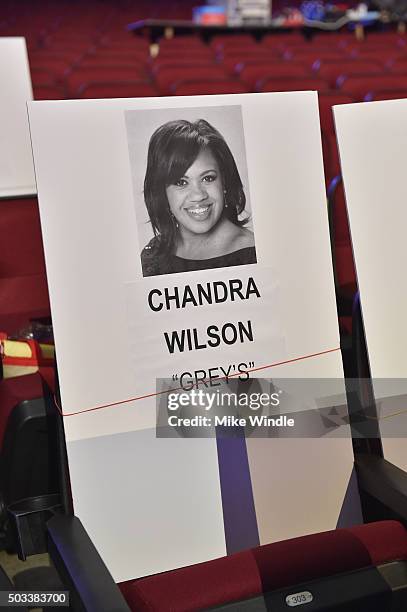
x,y
298,599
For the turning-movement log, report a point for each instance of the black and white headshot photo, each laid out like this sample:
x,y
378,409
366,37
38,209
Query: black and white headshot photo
x,y
191,191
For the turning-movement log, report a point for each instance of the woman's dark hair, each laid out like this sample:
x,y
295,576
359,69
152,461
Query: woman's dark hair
x,y
172,150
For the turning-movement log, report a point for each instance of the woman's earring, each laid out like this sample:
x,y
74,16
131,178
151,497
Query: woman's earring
x,y
175,222
224,198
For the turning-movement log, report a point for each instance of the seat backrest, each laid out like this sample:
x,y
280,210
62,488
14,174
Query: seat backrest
x,y
328,99
251,73
48,92
23,283
117,89
398,65
194,87
332,69
233,61
21,252
359,85
391,94
28,456
291,84
81,75
168,76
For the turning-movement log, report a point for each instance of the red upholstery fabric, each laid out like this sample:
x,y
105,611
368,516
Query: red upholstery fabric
x,y
16,390
23,285
193,54
291,84
56,66
165,64
192,42
268,567
331,155
42,76
23,295
21,250
167,77
250,73
332,70
385,541
326,101
79,76
127,89
398,66
223,41
48,92
316,54
344,264
391,94
195,87
233,60
111,63
359,85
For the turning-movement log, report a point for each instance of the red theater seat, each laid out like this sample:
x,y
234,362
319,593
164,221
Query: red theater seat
x,y
166,64
126,89
267,568
13,391
326,101
360,85
55,66
292,84
398,65
234,61
167,77
379,56
196,87
309,56
48,92
344,265
251,73
42,76
112,62
331,154
239,41
391,94
23,284
184,42
79,76
193,54
332,70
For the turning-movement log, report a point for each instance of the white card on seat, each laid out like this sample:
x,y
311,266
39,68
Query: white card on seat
x,y
371,138
16,164
129,308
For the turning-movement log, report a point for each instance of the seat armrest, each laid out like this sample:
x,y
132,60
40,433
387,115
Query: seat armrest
x,y
81,569
383,481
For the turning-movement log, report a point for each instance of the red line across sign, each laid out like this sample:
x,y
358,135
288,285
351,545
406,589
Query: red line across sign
x,y
140,397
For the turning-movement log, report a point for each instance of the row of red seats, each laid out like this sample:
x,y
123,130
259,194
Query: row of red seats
x,y
165,74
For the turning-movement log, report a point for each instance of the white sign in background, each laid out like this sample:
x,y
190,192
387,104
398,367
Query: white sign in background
x,y
16,163
372,142
104,333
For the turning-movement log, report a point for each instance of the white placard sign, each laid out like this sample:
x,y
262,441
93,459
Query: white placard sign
x,y
238,276
16,164
371,139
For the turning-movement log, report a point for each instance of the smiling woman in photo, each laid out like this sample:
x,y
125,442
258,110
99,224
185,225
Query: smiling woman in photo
x,y
194,197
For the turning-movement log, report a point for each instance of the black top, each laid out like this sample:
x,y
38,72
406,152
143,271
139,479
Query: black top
x,y
155,262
